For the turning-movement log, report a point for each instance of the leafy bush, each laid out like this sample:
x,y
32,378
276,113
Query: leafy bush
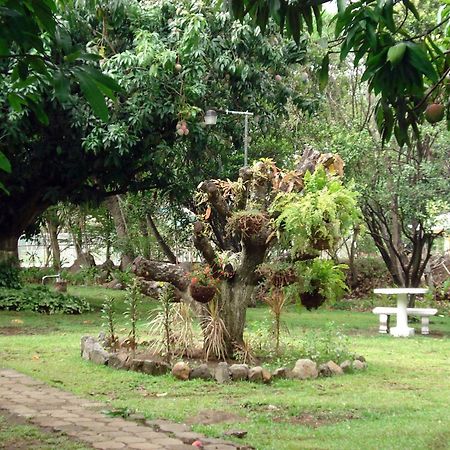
x,y
34,274
87,276
327,344
9,275
41,299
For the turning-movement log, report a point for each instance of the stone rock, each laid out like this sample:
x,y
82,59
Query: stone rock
x,y
346,366
266,376
359,365
119,361
102,339
115,284
255,374
222,373
305,368
239,372
181,370
335,369
87,345
281,372
236,433
325,371
202,372
99,356
154,367
136,365
360,358
136,417
84,260
60,286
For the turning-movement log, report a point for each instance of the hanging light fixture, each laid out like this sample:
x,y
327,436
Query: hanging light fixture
x,y
210,117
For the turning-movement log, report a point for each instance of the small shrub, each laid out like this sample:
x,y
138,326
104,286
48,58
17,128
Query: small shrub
x,y
323,345
86,276
214,332
33,275
9,275
161,324
109,319
42,300
132,300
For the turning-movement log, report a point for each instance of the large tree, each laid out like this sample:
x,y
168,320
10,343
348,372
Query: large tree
x,y
173,61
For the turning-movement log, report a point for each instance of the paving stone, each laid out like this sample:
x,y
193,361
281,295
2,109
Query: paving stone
x,y
146,446
188,437
179,447
106,445
150,435
130,439
165,441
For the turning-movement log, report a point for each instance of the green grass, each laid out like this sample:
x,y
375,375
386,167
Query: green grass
x,y
22,436
400,402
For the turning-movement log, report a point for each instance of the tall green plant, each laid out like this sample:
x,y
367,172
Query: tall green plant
x,y
132,301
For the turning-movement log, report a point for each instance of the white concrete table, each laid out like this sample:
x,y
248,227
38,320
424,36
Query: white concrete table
x,y
402,328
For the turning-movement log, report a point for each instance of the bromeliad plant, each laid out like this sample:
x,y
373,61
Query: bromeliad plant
x,y
203,285
320,280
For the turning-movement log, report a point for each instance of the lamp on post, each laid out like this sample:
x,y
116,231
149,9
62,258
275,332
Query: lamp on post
x,y
211,119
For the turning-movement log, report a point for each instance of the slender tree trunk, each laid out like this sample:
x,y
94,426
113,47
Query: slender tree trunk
x,y
115,210
161,242
56,251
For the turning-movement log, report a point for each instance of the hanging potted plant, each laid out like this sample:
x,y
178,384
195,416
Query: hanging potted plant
x,y
321,280
203,285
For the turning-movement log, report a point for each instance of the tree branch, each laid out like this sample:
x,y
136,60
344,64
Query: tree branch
x,y
161,271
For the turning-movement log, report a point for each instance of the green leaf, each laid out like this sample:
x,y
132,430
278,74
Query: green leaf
x,y
318,15
22,69
341,7
16,101
92,93
62,85
410,5
395,54
5,165
72,56
419,59
38,111
323,72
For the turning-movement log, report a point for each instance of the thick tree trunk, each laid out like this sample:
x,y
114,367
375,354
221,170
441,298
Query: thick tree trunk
x,y
234,299
115,210
9,250
56,252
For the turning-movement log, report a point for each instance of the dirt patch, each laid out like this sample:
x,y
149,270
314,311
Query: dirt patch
x,y
210,417
316,420
15,331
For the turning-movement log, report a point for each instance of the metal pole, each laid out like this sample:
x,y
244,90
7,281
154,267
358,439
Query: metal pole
x,y
245,139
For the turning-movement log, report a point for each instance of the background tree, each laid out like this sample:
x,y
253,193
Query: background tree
x,y
172,60
407,66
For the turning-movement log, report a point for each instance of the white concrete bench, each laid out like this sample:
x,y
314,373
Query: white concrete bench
x,y
386,312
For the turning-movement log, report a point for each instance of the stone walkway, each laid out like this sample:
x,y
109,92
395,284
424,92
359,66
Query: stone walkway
x,y
60,411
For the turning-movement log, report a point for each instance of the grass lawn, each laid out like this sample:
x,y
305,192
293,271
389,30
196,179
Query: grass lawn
x,y
400,402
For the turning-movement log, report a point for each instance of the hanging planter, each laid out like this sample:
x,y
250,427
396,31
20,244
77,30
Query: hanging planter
x,y
202,294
